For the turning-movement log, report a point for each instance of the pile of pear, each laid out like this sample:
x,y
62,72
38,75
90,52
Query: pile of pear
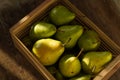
x,y
68,51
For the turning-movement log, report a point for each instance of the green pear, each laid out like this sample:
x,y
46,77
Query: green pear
x,y
83,77
60,15
69,65
69,34
55,72
48,51
59,76
93,62
52,69
42,30
89,40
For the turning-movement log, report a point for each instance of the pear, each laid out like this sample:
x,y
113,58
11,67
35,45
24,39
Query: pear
x,y
55,72
48,51
42,30
89,40
59,76
69,65
52,69
60,15
83,77
93,62
70,33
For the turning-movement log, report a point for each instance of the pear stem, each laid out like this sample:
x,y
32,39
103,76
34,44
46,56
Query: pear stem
x,y
80,52
93,69
66,41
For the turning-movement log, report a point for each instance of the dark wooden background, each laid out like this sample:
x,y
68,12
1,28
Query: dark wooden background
x,y
14,66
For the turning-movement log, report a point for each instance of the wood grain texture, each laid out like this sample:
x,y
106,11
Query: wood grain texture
x,y
104,13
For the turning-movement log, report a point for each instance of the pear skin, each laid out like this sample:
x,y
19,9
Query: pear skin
x,y
89,40
69,65
93,62
83,77
48,51
60,15
52,69
59,76
69,34
42,30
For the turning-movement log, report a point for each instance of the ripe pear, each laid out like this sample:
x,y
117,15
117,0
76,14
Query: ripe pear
x,y
60,15
83,77
93,62
42,30
69,65
48,51
69,34
89,40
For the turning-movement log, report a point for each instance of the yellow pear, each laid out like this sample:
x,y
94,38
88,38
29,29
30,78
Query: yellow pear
x,y
48,51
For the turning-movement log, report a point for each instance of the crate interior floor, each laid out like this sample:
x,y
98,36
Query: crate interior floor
x,y
14,66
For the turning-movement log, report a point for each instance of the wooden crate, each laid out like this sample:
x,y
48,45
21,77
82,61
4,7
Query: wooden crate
x,y
23,26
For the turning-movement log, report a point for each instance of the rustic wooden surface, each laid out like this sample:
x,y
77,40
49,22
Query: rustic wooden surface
x,y
14,66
